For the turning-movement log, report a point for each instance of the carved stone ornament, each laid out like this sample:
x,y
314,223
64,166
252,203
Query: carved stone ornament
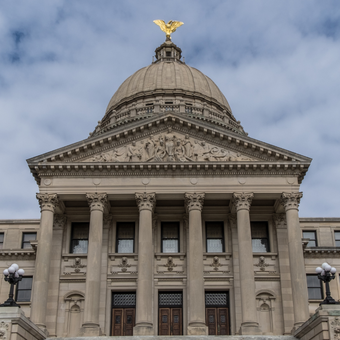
x,y
335,329
194,201
48,201
291,200
77,265
216,263
262,263
169,147
4,326
146,201
59,221
242,200
280,221
98,201
124,264
170,264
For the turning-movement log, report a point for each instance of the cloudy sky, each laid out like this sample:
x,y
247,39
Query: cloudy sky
x,y
277,62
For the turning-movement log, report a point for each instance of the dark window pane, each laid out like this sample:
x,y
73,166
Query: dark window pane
x,y
260,238
215,239
25,283
337,238
312,238
24,289
214,230
1,237
170,237
337,243
164,319
125,237
126,231
314,287
26,238
80,238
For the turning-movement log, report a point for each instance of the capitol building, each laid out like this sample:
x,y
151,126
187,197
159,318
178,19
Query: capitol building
x,y
169,220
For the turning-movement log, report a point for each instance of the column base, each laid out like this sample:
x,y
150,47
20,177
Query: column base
x,y
250,328
197,329
90,329
143,329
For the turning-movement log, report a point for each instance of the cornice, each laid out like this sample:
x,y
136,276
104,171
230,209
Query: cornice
x,y
320,252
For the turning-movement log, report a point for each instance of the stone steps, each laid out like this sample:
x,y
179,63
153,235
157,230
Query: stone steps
x,y
186,337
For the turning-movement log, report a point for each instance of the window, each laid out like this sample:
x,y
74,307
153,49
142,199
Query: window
x,y
215,237
337,238
168,54
26,238
312,238
314,287
79,238
170,237
24,289
2,240
125,237
259,237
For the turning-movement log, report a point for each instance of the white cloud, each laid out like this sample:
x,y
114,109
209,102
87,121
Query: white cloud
x,y
276,62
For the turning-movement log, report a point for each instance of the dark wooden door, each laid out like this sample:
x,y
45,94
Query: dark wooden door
x,y
217,320
170,321
123,321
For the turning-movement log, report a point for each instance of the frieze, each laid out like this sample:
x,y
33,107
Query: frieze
x,y
170,146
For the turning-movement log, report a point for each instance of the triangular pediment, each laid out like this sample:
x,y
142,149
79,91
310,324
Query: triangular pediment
x,y
169,146
171,139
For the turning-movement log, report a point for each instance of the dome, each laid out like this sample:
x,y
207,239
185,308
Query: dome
x,y
170,77
168,85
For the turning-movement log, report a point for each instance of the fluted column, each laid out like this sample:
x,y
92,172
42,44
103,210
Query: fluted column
x,y
144,311
241,203
196,323
98,204
291,203
48,203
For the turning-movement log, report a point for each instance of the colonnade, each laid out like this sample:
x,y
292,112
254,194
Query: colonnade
x,y
146,202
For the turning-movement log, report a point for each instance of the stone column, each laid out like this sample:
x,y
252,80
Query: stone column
x,y
98,204
144,311
48,204
241,203
291,203
196,321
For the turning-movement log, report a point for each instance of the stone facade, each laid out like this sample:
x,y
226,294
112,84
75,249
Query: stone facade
x,y
169,219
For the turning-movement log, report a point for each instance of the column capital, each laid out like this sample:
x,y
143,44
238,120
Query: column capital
x,y
280,221
194,201
98,201
146,201
242,200
291,200
48,201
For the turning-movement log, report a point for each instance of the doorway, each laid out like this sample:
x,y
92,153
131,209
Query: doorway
x,y
123,314
217,313
170,320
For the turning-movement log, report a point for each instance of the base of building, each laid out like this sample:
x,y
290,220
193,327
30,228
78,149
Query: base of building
x,y
197,329
90,329
143,329
250,328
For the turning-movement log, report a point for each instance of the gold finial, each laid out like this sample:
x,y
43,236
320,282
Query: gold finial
x,y
168,28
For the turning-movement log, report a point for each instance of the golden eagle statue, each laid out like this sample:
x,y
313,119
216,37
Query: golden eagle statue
x,y
168,28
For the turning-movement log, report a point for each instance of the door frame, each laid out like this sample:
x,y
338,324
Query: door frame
x,y
170,307
120,306
216,306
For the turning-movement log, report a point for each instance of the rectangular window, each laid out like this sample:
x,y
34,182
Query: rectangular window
x,y
215,237
337,238
2,236
79,238
26,238
125,237
170,237
24,289
312,238
314,288
260,237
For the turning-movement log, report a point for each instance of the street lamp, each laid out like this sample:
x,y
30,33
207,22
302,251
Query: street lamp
x,y
12,275
326,273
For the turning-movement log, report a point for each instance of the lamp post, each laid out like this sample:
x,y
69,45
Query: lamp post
x,y
326,273
12,275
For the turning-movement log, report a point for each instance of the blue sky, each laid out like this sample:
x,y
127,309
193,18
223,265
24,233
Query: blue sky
x,y
277,63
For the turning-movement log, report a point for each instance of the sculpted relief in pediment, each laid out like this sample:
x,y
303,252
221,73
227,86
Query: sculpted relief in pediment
x,y
169,147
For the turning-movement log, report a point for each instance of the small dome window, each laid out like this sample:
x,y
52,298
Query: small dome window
x,y
168,54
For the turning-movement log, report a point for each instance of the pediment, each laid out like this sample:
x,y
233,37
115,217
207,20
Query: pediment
x,y
169,146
